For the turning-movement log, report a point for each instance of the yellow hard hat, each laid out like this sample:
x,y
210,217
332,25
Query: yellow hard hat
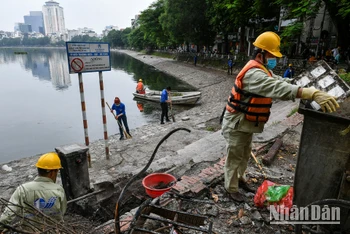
x,y
290,65
49,161
140,80
270,42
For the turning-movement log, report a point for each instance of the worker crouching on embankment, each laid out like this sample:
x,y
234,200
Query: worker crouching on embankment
x,y
248,107
43,194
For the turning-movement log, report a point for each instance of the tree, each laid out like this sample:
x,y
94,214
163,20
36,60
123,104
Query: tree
x,y
307,9
151,27
85,38
114,38
136,39
186,21
124,37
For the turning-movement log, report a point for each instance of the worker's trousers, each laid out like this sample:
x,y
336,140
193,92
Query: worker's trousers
x,y
238,148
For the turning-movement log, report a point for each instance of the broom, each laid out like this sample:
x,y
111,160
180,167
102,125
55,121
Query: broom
x,y
120,125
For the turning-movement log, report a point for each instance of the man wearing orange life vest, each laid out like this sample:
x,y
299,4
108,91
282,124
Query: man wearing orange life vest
x,y
248,107
140,88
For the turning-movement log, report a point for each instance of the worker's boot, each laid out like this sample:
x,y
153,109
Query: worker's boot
x,y
244,185
236,196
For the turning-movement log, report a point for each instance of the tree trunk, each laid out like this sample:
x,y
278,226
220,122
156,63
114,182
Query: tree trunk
x,y
242,39
226,43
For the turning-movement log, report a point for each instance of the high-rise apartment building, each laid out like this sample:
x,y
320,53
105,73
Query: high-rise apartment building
x,y
23,28
36,20
53,18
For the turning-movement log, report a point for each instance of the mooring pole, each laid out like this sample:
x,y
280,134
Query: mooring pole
x,y
83,110
104,119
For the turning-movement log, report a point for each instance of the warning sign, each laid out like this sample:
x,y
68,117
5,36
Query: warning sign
x,y
88,57
77,65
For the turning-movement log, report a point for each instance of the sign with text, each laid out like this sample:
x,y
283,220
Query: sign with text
x,y
88,57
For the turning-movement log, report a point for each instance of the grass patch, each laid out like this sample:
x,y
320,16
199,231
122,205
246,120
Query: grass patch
x,y
345,77
210,129
163,55
292,111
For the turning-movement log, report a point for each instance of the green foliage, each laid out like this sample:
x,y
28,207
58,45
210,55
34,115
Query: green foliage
x,y
136,39
345,77
26,41
151,26
164,55
344,10
186,21
292,111
85,38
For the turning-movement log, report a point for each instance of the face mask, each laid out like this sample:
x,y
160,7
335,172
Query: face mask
x,y
271,63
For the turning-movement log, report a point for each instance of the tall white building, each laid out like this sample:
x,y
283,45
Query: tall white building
x,y
53,18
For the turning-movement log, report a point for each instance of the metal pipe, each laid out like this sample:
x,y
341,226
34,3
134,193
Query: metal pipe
x,y
83,110
104,119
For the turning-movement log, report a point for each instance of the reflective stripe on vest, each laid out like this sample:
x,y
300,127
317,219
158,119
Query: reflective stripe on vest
x,y
257,109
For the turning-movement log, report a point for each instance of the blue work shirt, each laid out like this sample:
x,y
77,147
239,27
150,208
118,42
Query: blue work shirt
x,y
164,96
119,109
289,73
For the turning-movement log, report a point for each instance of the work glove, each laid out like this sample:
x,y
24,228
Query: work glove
x,y
326,101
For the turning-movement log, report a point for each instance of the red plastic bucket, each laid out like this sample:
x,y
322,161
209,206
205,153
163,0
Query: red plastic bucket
x,y
153,180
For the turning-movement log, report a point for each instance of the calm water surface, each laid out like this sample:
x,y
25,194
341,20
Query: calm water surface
x,y
40,101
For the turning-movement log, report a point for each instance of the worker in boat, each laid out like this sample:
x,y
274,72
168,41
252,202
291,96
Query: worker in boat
x,y
140,87
43,194
248,108
164,100
120,115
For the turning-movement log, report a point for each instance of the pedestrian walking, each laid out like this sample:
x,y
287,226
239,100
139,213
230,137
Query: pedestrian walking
x,y
42,193
120,115
229,66
248,108
164,100
289,73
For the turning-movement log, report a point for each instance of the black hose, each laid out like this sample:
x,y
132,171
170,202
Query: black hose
x,y
116,215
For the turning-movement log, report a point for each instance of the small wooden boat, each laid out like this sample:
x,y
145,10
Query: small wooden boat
x,y
177,98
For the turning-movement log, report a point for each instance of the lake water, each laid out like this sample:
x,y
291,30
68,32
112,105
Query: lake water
x,y
40,101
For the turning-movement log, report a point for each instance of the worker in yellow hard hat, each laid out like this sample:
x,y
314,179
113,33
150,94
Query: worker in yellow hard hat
x,y
289,73
140,87
248,108
43,193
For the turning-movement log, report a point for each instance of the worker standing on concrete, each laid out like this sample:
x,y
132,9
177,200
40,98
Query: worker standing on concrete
x,y
164,100
248,107
43,193
140,88
120,116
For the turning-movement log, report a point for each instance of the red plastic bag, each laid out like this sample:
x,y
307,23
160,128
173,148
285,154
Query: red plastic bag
x,y
283,206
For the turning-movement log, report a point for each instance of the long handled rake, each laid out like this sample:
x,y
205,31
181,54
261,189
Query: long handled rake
x,y
119,123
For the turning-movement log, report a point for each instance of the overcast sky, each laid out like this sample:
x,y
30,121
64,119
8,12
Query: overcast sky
x,y
95,14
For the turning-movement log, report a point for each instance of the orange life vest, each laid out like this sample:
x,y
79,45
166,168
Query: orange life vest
x,y
257,109
139,88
